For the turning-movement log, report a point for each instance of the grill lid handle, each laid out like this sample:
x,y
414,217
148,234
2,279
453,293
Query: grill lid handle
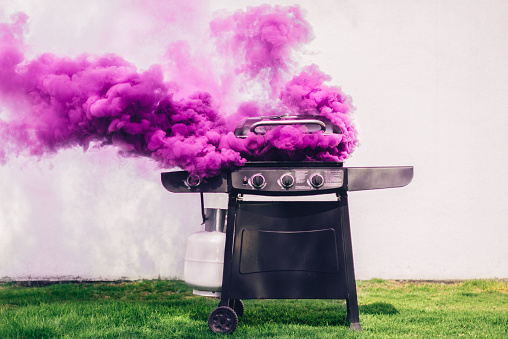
x,y
321,125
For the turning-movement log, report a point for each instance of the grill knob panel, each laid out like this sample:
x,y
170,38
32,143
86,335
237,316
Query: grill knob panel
x,y
287,181
272,179
258,180
317,180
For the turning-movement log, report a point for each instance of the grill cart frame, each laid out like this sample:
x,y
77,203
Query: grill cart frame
x,y
287,249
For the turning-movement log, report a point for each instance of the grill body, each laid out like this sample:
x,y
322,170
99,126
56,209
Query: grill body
x,y
288,249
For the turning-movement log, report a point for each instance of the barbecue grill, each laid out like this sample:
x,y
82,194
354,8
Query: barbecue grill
x,y
289,249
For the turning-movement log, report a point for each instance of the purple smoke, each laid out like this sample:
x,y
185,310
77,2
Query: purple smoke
x,y
261,41
59,102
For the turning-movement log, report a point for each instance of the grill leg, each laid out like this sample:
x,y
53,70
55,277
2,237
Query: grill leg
x,y
228,250
352,314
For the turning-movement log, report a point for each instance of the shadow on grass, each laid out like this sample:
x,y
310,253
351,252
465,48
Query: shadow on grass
x,y
34,293
301,312
378,308
35,332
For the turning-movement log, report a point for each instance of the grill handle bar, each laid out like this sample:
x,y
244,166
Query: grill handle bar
x,y
288,122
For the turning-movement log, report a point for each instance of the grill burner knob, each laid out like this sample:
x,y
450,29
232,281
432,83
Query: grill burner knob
x,y
257,180
317,180
287,181
192,181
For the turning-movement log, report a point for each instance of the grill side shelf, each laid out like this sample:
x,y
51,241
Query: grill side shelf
x,y
180,182
370,178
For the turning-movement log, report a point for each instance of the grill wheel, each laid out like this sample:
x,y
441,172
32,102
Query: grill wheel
x,y
223,320
237,306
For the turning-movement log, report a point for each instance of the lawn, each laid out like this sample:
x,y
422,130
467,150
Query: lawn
x,y
168,309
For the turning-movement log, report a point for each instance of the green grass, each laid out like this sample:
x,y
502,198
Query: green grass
x,y
167,309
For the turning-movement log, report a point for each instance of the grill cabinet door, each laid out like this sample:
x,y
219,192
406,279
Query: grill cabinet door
x,y
288,250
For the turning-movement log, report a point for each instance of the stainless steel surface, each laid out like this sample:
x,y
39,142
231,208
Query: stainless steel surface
x,y
287,180
370,178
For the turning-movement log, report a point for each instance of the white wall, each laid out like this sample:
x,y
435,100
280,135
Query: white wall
x,y
429,82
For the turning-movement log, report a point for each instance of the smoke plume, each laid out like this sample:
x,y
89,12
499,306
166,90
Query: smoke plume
x,y
57,102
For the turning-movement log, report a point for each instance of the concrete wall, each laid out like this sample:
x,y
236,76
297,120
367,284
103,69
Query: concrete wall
x,y
429,82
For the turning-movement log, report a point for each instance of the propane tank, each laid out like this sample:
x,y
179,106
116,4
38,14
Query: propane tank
x,y
204,255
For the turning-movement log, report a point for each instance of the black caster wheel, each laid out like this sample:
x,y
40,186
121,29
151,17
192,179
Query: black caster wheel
x,y
237,306
223,320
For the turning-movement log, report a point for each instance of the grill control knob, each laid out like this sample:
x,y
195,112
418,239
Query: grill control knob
x,y
257,180
192,181
317,180
287,181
